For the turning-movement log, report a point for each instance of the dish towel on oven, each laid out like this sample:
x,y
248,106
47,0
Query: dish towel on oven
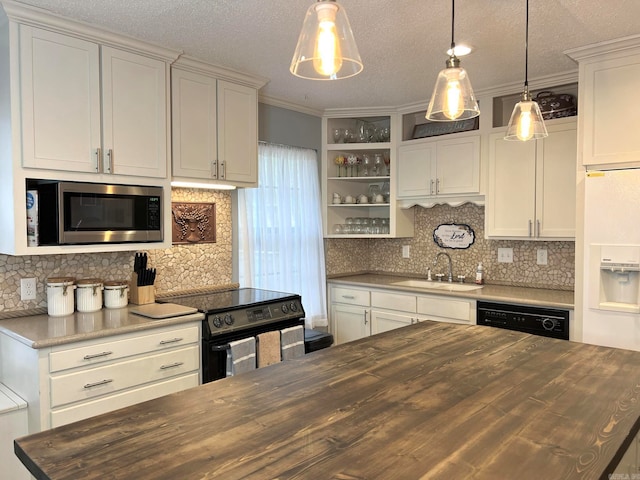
x,y
292,341
241,356
268,348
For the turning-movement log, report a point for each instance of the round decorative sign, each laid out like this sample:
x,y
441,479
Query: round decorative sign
x,y
454,235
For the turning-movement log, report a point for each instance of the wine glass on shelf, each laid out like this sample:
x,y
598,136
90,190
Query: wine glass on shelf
x,y
338,135
339,160
379,168
366,165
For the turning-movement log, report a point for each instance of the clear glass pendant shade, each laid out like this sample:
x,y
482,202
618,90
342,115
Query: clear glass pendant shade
x,y
453,97
326,48
526,121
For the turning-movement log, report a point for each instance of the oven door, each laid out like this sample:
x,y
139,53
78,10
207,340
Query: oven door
x,y
216,347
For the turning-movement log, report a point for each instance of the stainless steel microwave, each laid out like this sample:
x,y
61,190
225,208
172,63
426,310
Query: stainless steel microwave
x,y
71,213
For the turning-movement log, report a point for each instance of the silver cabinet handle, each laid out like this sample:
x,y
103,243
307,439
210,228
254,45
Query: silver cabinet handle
x,y
530,227
538,228
98,160
365,317
349,297
171,365
214,169
173,340
110,161
223,170
97,355
431,188
97,384
437,186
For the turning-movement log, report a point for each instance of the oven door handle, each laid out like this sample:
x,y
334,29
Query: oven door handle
x,y
219,348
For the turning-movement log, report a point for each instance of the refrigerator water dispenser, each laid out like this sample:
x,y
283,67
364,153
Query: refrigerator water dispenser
x,y
619,278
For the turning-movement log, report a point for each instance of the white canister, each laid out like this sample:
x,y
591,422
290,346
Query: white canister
x,y
60,296
89,295
116,293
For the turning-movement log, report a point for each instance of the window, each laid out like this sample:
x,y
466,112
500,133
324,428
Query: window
x,y
280,245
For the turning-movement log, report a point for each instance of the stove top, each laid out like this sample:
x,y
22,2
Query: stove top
x,y
217,302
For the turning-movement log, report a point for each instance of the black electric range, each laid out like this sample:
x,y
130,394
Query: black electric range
x,y
235,314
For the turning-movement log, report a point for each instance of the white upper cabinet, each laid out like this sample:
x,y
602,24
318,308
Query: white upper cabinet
x,y
194,125
134,103
607,102
215,125
532,185
64,81
440,168
60,101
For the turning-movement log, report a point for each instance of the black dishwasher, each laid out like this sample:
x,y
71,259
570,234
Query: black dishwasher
x,y
546,322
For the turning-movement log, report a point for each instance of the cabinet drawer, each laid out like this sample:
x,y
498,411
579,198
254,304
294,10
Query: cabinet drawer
x,y
62,358
447,309
394,301
106,379
98,406
351,296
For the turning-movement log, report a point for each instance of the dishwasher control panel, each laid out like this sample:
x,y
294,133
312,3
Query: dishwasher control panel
x,y
546,322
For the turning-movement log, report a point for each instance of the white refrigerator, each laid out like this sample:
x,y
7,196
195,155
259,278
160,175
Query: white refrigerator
x,y
611,300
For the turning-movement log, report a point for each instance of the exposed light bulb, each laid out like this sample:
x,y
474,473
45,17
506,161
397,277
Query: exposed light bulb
x,y
454,103
524,130
327,58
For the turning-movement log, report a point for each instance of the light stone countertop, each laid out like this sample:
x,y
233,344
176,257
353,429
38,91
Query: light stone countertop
x,y
490,293
41,331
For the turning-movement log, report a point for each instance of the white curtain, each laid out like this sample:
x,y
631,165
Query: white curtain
x,y
280,229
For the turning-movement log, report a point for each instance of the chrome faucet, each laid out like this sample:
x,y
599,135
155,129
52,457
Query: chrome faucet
x,y
435,262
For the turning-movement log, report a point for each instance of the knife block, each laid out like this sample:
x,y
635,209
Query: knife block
x,y
141,295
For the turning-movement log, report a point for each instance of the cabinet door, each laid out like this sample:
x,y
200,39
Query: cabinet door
x,y
349,323
416,170
610,93
510,209
194,124
556,183
458,166
237,134
59,101
383,321
134,102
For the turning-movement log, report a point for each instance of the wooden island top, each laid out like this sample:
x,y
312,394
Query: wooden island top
x,y
431,400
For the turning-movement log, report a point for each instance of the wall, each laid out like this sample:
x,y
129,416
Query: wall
x,y
181,267
385,255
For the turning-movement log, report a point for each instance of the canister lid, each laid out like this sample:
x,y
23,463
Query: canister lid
x,y
115,284
89,282
60,281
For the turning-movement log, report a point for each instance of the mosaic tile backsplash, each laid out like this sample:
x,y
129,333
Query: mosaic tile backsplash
x,y
185,267
385,255
181,267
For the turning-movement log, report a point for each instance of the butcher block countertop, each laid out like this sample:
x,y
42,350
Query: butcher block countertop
x,y
488,293
430,400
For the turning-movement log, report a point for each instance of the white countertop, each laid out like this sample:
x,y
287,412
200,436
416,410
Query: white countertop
x,y
40,331
489,293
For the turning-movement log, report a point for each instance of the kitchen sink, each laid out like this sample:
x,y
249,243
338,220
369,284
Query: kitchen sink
x,y
451,287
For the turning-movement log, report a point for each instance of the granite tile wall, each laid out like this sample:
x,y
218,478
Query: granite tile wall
x,y
181,267
385,255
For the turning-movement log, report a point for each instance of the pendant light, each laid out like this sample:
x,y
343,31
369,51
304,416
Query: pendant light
x,y
326,48
526,121
453,97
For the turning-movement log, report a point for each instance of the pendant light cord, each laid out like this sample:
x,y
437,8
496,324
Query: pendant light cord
x,y
453,16
526,50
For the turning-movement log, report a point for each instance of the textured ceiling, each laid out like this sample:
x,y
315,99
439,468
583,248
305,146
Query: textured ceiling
x,y
401,42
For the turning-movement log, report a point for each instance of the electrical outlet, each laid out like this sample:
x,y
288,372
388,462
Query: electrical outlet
x,y
27,289
505,255
541,255
406,251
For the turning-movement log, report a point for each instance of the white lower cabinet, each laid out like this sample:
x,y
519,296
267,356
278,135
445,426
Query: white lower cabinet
x,y
70,382
359,312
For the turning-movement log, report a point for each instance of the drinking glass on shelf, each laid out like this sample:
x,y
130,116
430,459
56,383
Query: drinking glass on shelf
x,y
338,135
338,229
379,168
366,165
348,135
374,191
